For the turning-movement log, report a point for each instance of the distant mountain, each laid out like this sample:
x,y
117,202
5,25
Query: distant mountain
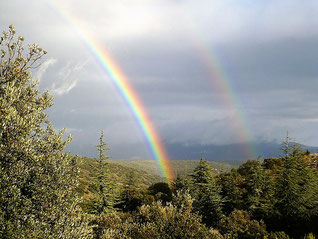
x,y
232,153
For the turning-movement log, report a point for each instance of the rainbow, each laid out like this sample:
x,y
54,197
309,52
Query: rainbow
x,y
112,69
222,83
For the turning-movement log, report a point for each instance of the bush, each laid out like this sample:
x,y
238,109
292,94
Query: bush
x,y
175,220
240,225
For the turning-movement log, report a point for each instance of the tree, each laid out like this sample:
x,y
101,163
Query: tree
x,y
297,192
37,179
208,200
240,225
102,147
174,220
161,191
107,191
233,190
258,186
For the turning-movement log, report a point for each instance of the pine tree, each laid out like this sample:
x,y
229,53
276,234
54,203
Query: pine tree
x,y
208,201
297,191
37,179
258,197
105,186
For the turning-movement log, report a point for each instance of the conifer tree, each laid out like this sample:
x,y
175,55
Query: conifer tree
x,y
208,201
258,188
37,179
105,186
297,191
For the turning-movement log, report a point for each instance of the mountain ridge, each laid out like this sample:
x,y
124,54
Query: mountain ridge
x,y
232,153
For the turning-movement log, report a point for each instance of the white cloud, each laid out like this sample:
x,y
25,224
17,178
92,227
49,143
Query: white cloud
x,y
43,68
68,78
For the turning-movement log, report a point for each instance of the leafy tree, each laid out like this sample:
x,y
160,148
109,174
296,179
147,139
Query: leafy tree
x,y
175,220
278,235
161,191
240,225
310,236
37,179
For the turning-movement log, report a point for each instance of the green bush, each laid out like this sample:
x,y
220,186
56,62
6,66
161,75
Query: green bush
x,y
240,225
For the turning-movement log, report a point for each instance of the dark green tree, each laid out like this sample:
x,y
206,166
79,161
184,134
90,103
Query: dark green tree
x,y
131,197
233,190
182,182
161,191
258,197
297,192
105,187
37,179
208,200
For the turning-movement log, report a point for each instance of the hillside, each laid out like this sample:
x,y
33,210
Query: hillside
x,y
118,175
145,173
179,166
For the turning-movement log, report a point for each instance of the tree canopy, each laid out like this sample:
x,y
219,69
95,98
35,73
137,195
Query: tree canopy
x,y
37,179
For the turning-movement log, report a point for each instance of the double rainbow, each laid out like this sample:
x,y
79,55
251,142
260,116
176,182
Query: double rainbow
x,y
111,68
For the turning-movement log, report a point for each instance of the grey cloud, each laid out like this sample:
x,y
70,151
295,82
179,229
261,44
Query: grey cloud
x,y
267,51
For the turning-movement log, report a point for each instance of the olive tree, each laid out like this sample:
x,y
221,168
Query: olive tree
x,y
37,179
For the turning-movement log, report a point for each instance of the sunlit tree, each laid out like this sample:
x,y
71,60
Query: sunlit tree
x,y
37,179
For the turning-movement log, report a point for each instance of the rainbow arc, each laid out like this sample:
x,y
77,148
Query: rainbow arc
x,y
113,70
126,90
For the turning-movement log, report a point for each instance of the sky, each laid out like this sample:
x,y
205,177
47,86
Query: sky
x,y
208,72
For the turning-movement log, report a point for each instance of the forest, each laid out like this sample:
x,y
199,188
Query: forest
x,y
47,192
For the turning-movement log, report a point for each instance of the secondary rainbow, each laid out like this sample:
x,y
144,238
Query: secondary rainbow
x,y
109,65
224,86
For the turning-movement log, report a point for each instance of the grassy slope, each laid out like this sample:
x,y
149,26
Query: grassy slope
x,y
179,166
118,174
145,171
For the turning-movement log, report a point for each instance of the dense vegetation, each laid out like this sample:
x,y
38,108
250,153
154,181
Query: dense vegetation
x,y
47,193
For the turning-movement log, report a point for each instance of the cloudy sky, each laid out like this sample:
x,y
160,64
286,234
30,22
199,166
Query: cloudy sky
x,y
264,54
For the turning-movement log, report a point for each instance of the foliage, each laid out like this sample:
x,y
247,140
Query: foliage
x,y
39,182
309,236
208,201
240,225
233,190
278,235
37,178
283,192
174,220
107,190
121,178
297,192
161,191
